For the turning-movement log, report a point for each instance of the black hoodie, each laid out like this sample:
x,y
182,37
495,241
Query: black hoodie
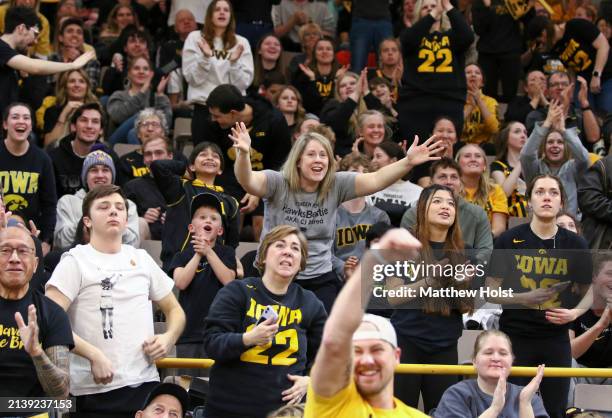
x,y
67,167
270,143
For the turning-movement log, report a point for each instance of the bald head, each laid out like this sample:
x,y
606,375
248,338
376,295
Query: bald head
x,y
184,23
17,232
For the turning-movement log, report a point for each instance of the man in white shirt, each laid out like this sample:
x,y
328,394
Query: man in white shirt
x,y
107,289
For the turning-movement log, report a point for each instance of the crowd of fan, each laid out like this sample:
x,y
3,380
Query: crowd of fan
x,y
303,114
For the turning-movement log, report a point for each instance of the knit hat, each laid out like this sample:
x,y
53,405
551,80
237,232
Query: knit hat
x,y
97,157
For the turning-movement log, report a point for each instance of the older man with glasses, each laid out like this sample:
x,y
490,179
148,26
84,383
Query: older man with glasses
x,y
35,333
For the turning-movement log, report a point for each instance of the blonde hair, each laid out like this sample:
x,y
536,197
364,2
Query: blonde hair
x,y
361,105
276,234
481,197
291,171
445,24
361,119
288,411
61,88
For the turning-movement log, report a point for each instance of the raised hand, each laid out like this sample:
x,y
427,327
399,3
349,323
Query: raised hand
x,y
161,87
583,92
419,154
530,390
499,396
341,71
204,47
84,59
29,333
250,203
201,245
236,53
240,136
307,72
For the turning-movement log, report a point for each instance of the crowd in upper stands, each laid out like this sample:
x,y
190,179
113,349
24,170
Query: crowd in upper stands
x,y
483,127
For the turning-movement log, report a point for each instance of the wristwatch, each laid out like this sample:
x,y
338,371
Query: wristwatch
x,y
596,73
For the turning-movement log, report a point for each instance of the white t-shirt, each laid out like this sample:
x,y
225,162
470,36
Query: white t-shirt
x,y
111,308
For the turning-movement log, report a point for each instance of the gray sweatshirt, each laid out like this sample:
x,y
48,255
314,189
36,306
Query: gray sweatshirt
x,y
351,231
121,105
533,166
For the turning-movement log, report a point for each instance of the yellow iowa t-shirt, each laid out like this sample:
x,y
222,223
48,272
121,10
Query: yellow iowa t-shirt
x,y
348,403
497,201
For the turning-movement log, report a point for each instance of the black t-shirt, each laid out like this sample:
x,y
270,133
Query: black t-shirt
x,y
526,262
199,295
17,371
8,77
600,352
576,49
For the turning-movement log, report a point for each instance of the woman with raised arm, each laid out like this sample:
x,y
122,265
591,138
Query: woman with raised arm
x,y
490,395
433,81
307,192
553,149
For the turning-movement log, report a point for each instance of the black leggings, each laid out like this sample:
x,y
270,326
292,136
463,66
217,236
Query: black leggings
x,y
554,352
504,67
325,287
417,116
408,386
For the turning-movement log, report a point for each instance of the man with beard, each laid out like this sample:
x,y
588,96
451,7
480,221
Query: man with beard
x,y
22,27
365,388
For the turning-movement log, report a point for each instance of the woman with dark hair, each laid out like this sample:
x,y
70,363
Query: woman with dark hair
x,y
433,82
264,330
553,149
316,81
569,222
307,193
536,264
506,169
490,395
399,196
428,328
214,56
267,60
445,131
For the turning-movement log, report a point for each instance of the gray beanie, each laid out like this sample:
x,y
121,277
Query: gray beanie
x,y
97,157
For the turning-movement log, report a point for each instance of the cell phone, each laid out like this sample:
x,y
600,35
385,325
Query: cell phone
x,y
268,313
560,287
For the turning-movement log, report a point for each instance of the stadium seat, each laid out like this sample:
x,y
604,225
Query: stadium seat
x,y
245,247
122,149
182,132
593,397
153,248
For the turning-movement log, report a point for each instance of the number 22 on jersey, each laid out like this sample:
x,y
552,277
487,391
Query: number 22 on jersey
x,y
436,55
287,337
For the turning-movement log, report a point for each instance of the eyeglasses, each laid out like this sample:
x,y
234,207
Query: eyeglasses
x,y
562,84
22,252
150,124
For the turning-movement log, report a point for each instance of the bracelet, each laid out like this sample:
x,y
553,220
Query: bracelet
x,y
586,109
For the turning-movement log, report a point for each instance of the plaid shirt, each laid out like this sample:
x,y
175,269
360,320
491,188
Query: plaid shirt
x,y
92,68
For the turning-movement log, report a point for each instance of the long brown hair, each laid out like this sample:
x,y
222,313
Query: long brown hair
x,y
208,32
454,250
313,60
61,88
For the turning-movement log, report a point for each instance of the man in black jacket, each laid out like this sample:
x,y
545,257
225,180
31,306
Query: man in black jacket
x,y
271,140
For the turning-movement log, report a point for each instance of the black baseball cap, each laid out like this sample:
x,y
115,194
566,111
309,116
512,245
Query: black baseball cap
x,y
169,389
207,199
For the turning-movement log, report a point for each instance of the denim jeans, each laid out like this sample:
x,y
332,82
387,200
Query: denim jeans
x,y
125,133
366,35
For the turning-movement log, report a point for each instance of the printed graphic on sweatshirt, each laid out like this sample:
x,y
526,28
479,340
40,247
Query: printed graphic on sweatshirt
x,y
305,214
436,55
16,184
106,304
350,235
575,56
279,352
